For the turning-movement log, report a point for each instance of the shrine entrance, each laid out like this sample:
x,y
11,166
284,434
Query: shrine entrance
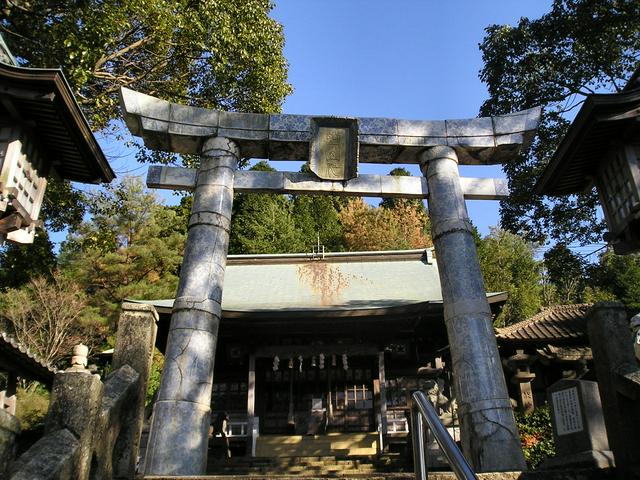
x,y
313,401
333,147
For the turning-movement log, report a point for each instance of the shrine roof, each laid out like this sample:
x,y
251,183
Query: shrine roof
x,y
15,357
603,119
559,322
338,284
182,129
43,99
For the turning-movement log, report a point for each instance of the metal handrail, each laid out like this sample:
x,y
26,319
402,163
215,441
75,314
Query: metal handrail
x,y
452,453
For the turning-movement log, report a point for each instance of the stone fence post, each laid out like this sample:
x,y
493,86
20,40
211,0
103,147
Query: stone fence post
x,y
66,449
616,368
135,341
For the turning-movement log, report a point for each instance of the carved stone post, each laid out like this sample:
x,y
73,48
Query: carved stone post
x,y
135,340
179,430
490,438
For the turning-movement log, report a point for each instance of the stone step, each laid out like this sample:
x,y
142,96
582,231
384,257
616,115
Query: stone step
x,y
575,474
317,445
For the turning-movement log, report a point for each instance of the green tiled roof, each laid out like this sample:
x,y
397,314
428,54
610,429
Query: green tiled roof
x,y
339,282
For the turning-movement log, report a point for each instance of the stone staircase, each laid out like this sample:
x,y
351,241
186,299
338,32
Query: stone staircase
x,y
587,474
331,444
308,466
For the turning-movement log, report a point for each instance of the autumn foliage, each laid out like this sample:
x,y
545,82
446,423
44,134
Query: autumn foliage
x,y
404,225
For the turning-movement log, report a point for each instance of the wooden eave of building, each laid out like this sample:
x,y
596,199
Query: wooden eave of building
x,y
42,100
557,324
564,353
602,120
16,358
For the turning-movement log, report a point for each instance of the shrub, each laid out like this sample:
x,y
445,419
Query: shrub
x,y
536,435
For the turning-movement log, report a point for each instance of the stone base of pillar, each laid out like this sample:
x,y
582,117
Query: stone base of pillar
x,y
185,420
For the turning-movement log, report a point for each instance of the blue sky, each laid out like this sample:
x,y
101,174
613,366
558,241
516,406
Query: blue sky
x,y
407,59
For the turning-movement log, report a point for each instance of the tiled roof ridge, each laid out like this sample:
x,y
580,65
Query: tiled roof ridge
x,y
541,316
24,350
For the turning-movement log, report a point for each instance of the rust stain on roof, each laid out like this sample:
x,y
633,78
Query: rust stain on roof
x,y
325,280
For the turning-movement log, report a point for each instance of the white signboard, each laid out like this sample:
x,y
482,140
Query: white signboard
x,y
566,409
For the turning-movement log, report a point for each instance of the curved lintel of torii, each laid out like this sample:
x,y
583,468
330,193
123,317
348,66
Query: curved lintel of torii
x,y
182,129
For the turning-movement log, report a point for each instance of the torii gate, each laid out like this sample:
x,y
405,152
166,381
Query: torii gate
x,y
178,437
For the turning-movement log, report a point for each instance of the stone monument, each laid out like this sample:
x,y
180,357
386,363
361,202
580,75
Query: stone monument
x,y
578,425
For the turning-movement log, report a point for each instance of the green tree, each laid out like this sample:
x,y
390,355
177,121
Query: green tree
x,y
20,263
615,277
565,272
578,48
211,53
264,223
507,264
316,217
220,54
130,248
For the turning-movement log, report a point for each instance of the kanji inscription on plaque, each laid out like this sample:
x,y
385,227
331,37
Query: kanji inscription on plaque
x,y
333,150
566,407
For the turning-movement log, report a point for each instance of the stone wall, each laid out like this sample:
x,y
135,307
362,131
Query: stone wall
x,y
92,428
9,429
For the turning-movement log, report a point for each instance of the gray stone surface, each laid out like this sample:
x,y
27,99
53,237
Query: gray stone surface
x,y
609,335
490,439
75,405
121,391
595,459
246,181
183,422
576,414
135,340
179,428
9,429
53,457
422,128
182,129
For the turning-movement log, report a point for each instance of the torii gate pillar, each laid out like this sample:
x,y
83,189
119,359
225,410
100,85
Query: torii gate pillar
x,y
490,438
181,416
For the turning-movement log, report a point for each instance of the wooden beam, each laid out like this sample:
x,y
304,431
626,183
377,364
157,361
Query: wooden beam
x,y
175,178
287,351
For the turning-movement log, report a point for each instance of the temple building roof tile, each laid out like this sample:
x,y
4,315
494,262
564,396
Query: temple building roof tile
x,y
16,357
559,322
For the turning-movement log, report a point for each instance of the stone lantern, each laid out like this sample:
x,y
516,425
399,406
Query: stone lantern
x,y
602,149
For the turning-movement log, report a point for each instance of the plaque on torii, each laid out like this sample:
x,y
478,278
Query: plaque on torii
x,y
333,146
